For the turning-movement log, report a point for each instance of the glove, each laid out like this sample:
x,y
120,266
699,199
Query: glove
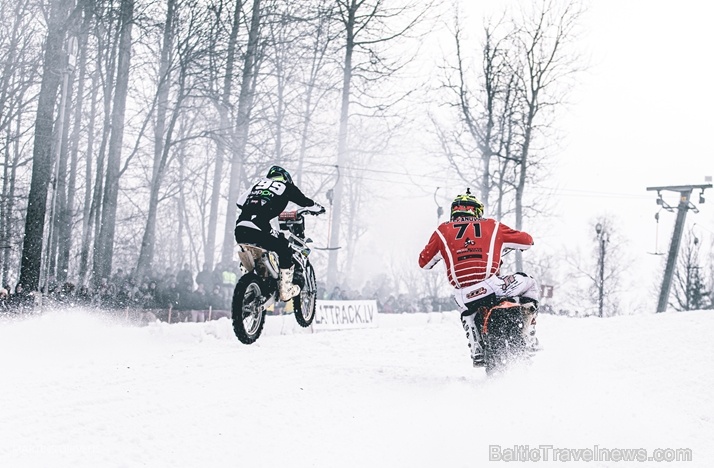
x,y
316,209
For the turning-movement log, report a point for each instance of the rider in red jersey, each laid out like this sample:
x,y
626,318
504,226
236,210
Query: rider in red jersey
x,y
471,247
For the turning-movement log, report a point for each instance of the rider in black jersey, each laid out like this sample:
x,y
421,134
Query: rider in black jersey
x,y
260,206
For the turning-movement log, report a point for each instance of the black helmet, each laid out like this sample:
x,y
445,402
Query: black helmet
x,y
278,173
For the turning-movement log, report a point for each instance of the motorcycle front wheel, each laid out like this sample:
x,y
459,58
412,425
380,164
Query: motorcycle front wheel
x,y
247,309
304,303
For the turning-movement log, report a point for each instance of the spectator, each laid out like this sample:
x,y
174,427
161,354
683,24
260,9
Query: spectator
x,y
168,275
4,299
217,275
184,278
336,294
119,278
66,293
123,296
84,296
170,296
199,305
205,278
376,298
21,300
229,280
390,306
216,300
321,290
150,296
106,292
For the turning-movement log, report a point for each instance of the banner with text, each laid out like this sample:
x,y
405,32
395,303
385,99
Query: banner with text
x,y
340,315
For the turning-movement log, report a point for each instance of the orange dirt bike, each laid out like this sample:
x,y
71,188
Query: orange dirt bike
x,y
257,289
507,330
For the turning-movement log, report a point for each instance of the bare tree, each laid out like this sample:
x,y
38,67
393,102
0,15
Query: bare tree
x,y
316,81
9,217
507,110
245,104
106,33
65,218
42,152
366,25
21,59
162,138
690,291
484,114
602,270
542,39
103,257
223,134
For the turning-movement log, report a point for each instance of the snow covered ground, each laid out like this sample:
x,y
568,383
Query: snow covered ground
x,y
77,390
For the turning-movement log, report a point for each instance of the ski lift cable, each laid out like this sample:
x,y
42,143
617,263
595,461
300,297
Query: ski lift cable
x,y
536,188
428,188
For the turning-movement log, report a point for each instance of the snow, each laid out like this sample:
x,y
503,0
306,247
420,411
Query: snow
x,y
81,390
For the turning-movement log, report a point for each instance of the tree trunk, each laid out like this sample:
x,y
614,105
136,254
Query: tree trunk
x,y
146,255
332,273
224,105
5,207
181,211
521,183
65,227
316,64
31,261
111,190
60,196
111,48
245,104
4,201
90,204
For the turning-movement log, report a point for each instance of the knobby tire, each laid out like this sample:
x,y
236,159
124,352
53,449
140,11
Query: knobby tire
x,y
250,285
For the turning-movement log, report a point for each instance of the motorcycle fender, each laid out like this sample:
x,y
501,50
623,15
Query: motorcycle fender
x,y
246,261
528,321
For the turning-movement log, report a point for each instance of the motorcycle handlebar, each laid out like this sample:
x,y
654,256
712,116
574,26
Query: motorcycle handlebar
x,y
306,210
299,213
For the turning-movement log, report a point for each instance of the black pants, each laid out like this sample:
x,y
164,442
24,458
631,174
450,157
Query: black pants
x,y
279,245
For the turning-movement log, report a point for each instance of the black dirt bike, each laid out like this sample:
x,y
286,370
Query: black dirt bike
x,y
502,326
257,289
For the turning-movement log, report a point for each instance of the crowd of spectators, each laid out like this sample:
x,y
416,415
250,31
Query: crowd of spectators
x,y
390,303
180,291
185,295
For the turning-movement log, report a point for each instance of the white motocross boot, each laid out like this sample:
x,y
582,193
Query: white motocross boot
x,y
287,289
474,337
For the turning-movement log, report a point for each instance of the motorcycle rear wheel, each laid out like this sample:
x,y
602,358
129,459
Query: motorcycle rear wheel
x,y
305,302
504,342
247,311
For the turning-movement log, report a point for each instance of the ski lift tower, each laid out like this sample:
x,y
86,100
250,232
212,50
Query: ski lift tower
x,y
685,204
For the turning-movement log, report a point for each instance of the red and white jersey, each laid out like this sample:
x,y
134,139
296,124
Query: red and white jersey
x,y
471,248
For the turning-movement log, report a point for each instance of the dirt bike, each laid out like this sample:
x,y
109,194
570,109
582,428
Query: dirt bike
x,y
257,289
501,327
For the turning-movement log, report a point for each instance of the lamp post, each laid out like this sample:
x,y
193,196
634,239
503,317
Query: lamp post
x,y
602,238
690,299
439,208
